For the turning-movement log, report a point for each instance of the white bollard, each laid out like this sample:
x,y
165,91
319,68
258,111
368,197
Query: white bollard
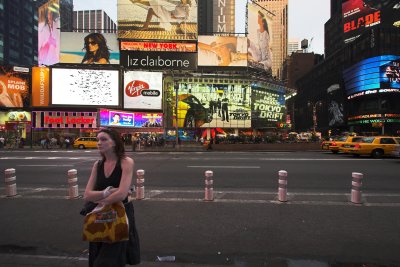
x,y
209,186
10,180
140,185
73,184
282,191
356,184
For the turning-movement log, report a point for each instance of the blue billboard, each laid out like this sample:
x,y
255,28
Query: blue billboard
x,y
373,75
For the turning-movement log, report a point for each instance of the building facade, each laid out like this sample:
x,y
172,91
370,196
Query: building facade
x,y
93,21
280,32
293,46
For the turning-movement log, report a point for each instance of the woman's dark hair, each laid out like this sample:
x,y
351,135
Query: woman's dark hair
x,y
119,144
54,9
102,52
264,21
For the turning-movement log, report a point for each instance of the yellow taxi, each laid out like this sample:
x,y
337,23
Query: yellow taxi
x,y
85,142
325,144
375,146
348,141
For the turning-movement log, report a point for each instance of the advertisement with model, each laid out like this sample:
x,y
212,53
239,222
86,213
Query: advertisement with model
x,y
86,87
119,118
222,51
142,90
158,60
259,38
214,105
376,75
14,87
89,48
157,19
49,33
268,108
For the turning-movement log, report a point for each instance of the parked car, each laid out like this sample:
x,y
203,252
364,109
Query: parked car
x,y
85,142
375,146
347,141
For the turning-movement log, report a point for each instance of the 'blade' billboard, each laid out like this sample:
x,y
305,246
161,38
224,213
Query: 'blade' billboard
x,y
260,38
49,33
157,20
14,87
222,51
89,48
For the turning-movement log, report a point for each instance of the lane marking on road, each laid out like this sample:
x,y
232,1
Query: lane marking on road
x,y
48,158
42,165
226,167
46,257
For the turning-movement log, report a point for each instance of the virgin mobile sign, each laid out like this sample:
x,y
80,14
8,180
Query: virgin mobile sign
x,y
155,60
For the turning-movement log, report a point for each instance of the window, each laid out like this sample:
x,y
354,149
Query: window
x,y
387,141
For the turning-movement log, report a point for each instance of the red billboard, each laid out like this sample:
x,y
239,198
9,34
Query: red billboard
x,y
14,87
357,17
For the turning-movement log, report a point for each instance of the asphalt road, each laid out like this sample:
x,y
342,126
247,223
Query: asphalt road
x,y
244,226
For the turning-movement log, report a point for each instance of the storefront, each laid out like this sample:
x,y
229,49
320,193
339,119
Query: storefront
x,y
15,127
62,124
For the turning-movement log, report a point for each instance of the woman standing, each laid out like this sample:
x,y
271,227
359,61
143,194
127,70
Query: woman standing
x,y
109,182
97,51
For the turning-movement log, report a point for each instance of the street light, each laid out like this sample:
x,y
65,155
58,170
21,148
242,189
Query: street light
x,y
314,106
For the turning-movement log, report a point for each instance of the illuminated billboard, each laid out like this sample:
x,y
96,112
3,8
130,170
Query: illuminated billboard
x,y
89,48
64,119
268,108
40,86
222,51
260,38
49,33
359,15
87,87
159,46
213,105
157,20
14,87
373,76
142,90
224,16
119,118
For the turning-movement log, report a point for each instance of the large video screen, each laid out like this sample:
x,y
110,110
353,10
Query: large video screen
x,y
157,20
268,108
84,87
214,105
143,90
119,118
89,48
222,51
14,87
260,38
373,75
49,33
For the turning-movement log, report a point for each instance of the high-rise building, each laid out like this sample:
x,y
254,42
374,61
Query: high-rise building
x,y
293,46
93,21
216,17
280,32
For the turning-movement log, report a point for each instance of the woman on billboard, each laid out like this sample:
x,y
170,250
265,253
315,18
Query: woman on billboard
x,y
49,34
165,16
97,51
260,51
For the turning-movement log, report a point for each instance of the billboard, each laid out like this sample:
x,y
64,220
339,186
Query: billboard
x,y
89,48
357,16
143,90
260,38
49,33
224,16
64,119
118,118
268,108
14,87
373,76
157,20
213,105
159,46
222,51
40,86
158,60
88,87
